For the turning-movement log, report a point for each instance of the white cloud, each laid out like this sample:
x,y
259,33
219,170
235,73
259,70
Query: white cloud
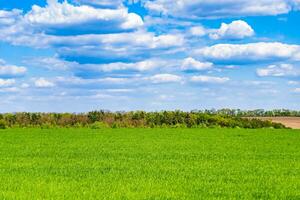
x,y
278,70
65,15
25,85
124,45
235,30
168,40
10,90
139,66
220,8
9,17
165,78
53,63
43,83
209,79
12,71
132,21
192,64
123,90
7,82
44,27
164,97
250,52
85,31
293,82
137,39
198,31
163,23
116,45
258,83
296,90
101,3
77,81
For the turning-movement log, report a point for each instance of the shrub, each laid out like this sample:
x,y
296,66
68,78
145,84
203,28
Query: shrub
x,y
116,125
179,126
2,124
78,125
46,126
99,125
163,119
164,125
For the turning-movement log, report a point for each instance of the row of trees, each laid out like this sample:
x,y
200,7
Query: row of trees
x,y
100,119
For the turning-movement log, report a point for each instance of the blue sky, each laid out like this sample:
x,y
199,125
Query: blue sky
x,y
82,55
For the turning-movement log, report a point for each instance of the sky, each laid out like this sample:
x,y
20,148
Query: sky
x,y
121,55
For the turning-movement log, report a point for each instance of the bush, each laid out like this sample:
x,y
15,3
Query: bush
x,y
163,119
179,126
116,125
99,125
78,125
2,124
46,126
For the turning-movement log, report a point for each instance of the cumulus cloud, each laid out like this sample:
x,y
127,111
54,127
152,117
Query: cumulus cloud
x,y
9,17
101,3
11,70
252,52
198,31
77,81
56,64
65,18
235,30
209,79
43,83
165,78
122,90
81,32
115,45
138,66
136,39
278,71
220,9
10,90
52,63
50,26
192,64
134,45
6,82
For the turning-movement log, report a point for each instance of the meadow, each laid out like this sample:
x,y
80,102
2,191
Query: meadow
x,y
149,164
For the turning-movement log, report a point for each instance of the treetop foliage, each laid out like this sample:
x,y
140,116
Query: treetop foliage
x,y
176,119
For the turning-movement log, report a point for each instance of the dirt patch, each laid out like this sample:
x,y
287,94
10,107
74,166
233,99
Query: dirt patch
x,y
291,122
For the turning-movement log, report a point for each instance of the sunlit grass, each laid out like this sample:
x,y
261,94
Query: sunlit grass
x,y
149,164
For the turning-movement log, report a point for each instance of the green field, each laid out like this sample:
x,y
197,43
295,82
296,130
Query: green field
x,y
149,164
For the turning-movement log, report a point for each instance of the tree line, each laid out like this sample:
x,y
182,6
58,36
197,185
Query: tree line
x,y
140,119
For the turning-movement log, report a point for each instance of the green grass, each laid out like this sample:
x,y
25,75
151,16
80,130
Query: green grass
x,y
149,164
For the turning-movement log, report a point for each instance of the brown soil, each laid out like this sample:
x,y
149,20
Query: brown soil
x,y
291,122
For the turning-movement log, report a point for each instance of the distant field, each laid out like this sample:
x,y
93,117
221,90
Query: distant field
x,y
291,122
149,164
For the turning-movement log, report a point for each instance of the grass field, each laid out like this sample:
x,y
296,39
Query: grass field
x,y
149,164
